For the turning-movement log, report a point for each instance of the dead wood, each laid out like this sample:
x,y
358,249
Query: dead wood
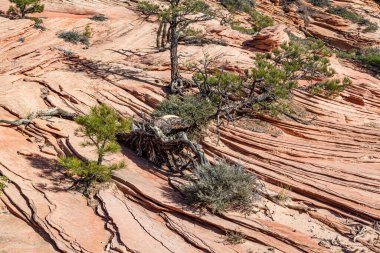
x,y
199,40
53,112
164,142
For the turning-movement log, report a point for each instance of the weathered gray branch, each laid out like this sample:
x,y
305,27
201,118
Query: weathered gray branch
x,y
53,112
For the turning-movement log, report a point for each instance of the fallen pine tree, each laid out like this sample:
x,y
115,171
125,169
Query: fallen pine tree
x,y
164,142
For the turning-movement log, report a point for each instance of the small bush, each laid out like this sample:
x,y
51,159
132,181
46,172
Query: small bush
x,y
148,8
99,128
355,18
23,7
369,57
257,22
283,194
320,3
235,237
222,187
3,182
238,5
88,172
194,109
87,32
345,13
236,25
275,108
371,27
38,23
190,32
99,18
260,21
330,87
74,37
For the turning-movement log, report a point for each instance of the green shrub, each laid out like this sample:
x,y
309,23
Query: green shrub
x,y
235,237
260,21
257,22
38,23
99,128
23,7
369,57
75,37
370,26
330,87
148,8
3,182
194,109
88,172
345,13
99,18
190,32
353,17
268,85
222,187
275,108
238,5
236,25
320,3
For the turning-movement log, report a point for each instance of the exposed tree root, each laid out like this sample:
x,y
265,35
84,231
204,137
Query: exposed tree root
x,y
164,142
53,112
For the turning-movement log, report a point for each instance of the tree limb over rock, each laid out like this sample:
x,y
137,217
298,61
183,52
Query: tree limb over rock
x,y
164,142
53,112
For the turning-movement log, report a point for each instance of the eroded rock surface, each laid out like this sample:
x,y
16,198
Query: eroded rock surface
x,y
328,168
269,38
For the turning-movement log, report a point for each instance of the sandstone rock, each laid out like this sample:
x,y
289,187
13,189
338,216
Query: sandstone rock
x,y
269,38
331,164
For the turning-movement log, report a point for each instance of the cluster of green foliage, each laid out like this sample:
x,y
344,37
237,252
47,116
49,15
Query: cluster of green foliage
x,y
88,172
191,32
222,187
320,3
236,25
196,110
187,7
330,88
256,20
369,57
99,128
174,19
355,18
38,23
3,182
23,7
99,18
235,237
148,8
238,5
271,79
76,37
259,21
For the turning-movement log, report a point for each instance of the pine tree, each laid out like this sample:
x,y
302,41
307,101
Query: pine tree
x,y
175,18
99,128
23,7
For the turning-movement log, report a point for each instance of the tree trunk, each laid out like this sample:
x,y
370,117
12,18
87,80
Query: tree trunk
x,y
174,52
100,159
164,34
159,32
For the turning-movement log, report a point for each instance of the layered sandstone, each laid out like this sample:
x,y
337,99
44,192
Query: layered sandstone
x,y
329,167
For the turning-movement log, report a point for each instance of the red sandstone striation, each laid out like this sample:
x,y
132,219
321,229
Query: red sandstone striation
x,y
329,168
269,38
